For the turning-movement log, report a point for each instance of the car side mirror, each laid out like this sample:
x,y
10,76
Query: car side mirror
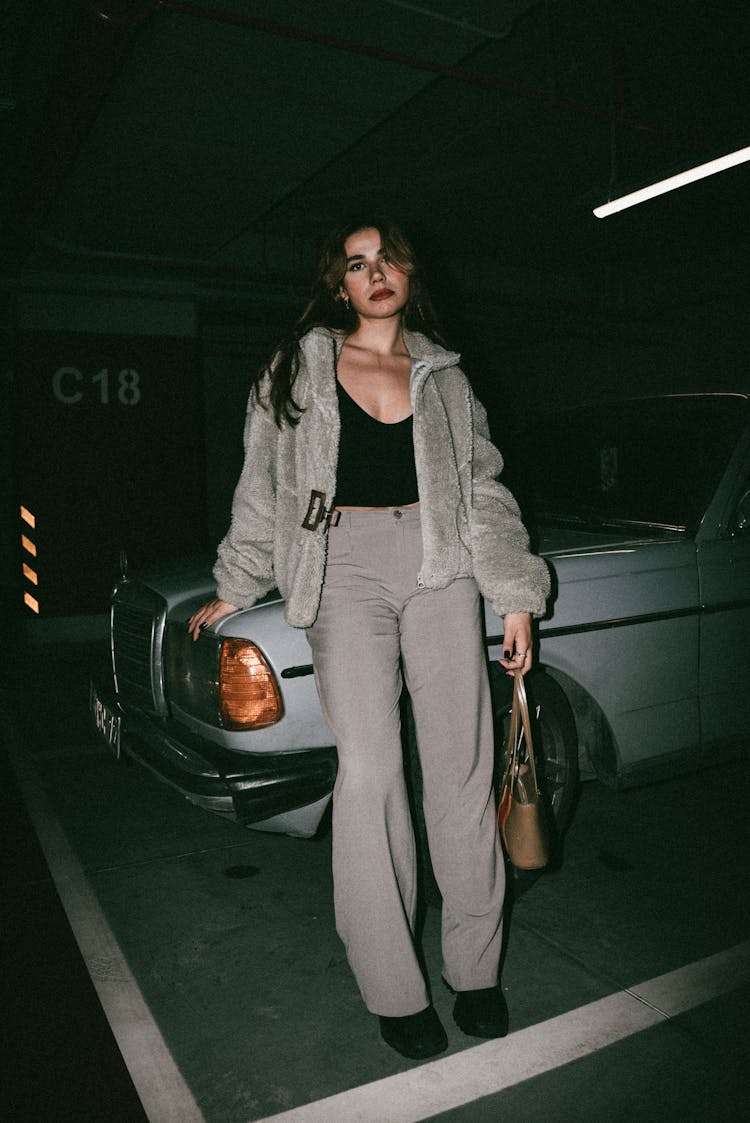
x,y
742,518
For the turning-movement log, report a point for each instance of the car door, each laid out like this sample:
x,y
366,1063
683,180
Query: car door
x,y
724,574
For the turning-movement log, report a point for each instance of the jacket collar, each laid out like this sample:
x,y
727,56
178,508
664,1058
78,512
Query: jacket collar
x,y
321,344
432,355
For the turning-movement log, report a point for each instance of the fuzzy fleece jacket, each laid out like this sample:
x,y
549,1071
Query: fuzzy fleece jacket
x,y
471,524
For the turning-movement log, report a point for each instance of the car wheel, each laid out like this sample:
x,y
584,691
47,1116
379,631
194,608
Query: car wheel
x,y
556,746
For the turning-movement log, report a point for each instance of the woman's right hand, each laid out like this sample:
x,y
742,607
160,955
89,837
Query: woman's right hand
x,y
208,614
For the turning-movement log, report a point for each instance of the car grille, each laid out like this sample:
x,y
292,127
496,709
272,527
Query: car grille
x,y
138,619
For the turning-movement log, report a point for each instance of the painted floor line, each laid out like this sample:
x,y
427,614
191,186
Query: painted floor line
x,y
160,1085
420,1093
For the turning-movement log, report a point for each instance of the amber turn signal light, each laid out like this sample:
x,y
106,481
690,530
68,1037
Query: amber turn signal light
x,y
249,695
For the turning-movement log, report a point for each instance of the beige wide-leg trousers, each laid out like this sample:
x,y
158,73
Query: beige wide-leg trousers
x,y
375,623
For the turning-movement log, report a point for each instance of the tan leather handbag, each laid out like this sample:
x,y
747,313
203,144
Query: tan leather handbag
x,y
521,813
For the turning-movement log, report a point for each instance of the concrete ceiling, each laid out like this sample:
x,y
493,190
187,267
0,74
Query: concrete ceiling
x,y
219,139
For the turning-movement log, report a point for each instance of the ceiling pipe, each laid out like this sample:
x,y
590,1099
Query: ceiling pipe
x,y
614,115
414,62
242,278
100,37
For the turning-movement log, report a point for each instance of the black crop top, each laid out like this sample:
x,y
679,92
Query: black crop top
x,y
376,460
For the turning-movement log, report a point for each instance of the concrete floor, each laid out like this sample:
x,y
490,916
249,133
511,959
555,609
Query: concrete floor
x,y
214,951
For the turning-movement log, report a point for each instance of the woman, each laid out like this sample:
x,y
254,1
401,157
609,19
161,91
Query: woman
x,y
369,497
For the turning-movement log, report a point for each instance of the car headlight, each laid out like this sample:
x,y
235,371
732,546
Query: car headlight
x,y
224,682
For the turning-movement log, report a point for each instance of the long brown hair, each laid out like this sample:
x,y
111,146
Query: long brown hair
x,y
326,309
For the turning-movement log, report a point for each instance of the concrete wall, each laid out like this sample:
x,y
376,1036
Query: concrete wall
x,y
82,439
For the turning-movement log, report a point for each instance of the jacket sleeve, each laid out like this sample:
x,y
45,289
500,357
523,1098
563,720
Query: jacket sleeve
x,y
244,565
507,573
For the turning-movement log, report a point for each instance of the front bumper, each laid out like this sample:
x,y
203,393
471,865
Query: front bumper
x,y
251,787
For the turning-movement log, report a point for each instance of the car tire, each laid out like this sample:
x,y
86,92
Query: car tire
x,y
556,746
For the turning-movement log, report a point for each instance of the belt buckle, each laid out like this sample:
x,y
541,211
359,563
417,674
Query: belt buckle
x,y
318,513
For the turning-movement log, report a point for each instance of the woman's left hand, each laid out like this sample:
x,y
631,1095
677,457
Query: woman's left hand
x,y
517,651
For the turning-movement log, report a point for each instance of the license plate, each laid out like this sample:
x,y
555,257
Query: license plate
x,y
106,720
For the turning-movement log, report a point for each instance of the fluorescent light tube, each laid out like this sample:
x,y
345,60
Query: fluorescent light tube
x,y
700,171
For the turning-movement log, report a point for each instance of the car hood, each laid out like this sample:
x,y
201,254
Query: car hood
x,y
187,582
558,540
577,555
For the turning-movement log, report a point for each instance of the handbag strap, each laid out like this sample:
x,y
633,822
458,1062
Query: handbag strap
x,y
520,721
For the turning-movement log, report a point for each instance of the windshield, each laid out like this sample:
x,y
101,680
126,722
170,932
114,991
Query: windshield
x,y
651,461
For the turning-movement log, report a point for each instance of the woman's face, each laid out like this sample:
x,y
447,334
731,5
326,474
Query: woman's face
x,y
374,287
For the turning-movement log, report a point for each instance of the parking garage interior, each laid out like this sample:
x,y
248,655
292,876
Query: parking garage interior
x,y
169,169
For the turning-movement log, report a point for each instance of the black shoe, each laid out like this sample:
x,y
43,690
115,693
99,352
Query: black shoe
x,y
481,1013
416,1035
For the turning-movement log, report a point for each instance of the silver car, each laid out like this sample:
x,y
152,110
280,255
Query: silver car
x,y
642,510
